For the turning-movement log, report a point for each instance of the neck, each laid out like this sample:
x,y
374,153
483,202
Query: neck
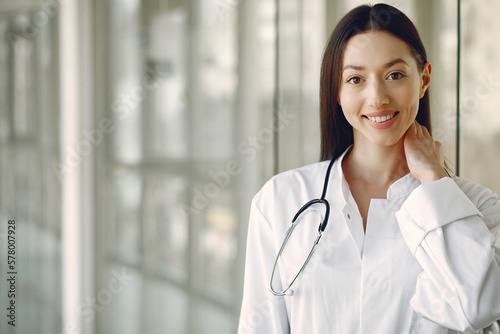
x,y
376,164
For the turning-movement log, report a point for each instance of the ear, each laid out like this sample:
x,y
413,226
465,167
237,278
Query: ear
x,y
425,79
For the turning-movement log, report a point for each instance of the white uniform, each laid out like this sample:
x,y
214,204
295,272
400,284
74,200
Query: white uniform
x,y
429,261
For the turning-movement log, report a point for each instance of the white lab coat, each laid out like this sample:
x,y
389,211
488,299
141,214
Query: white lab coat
x,y
429,261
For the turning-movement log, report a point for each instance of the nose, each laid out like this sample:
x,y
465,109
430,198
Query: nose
x,y
377,94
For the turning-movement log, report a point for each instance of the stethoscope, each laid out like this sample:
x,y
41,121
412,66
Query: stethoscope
x,y
321,229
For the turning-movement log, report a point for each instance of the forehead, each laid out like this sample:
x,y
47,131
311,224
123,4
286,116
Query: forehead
x,y
376,48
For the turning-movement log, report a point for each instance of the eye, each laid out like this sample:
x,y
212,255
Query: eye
x,y
396,76
354,80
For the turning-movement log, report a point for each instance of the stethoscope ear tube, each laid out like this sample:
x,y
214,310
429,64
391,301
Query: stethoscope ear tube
x,y
287,291
288,233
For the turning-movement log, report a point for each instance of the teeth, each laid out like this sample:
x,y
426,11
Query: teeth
x,y
381,119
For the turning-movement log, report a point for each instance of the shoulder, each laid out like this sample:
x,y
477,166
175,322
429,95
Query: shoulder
x,y
294,183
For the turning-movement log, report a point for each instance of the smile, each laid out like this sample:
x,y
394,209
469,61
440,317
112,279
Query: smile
x,y
382,119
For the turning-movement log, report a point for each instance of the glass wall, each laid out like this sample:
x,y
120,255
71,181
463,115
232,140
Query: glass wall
x,y
177,163
480,93
201,101
30,192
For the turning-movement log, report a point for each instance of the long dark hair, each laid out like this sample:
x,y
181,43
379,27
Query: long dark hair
x,y
336,132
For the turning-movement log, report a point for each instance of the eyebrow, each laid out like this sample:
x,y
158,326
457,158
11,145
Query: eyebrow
x,y
389,64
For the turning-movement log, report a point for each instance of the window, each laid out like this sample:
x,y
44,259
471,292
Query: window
x,y
30,191
479,98
173,190
190,93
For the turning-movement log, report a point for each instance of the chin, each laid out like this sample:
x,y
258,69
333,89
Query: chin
x,y
385,140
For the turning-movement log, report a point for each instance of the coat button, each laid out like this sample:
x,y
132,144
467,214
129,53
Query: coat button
x,y
348,216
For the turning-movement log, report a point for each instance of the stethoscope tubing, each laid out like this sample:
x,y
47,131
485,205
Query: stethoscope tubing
x,y
321,228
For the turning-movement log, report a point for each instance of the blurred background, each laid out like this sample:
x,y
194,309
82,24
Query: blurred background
x,y
134,133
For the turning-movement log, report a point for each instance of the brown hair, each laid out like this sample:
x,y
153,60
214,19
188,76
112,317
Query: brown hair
x,y
336,132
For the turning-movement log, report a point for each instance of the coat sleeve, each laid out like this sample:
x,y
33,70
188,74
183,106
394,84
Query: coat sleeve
x,y
454,235
261,311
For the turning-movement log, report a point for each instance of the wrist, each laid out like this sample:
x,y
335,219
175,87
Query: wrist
x,y
434,175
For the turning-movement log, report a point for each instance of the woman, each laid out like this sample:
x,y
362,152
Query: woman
x,y
406,248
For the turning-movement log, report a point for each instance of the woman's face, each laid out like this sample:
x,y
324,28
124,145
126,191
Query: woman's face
x,y
381,87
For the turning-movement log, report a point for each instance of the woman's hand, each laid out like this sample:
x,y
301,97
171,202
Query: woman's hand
x,y
423,154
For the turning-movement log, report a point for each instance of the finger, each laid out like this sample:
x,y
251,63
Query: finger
x,y
425,132
411,130
439,148
419,129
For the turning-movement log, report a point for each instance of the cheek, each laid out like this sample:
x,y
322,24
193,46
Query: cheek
x,y
415,103
410,98
350,105
412,112
350,111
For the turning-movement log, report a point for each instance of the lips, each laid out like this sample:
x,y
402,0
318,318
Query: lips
x,y
381,120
